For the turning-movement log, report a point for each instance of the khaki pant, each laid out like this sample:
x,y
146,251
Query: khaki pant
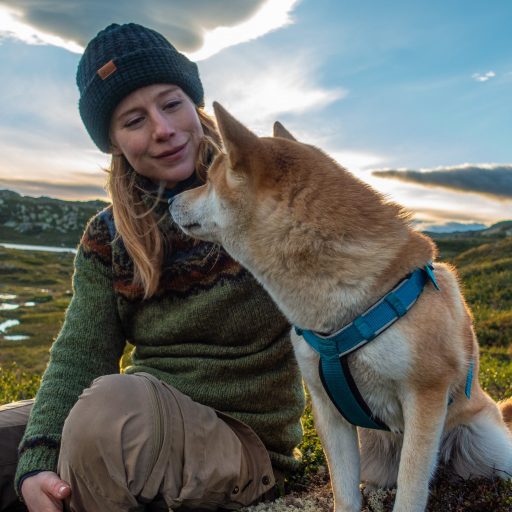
x,y
132,440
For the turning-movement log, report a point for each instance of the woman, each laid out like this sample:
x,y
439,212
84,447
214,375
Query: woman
x,y
209,410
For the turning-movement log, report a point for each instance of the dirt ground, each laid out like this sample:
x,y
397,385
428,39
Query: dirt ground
x,y
447,495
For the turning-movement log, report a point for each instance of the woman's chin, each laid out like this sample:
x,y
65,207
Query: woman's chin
x,y
169,178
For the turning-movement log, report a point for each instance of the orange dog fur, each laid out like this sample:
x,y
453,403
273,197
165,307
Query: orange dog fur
x,y
326,246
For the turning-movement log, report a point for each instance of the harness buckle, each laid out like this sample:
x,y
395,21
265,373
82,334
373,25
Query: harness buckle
x,y
396,304
364,328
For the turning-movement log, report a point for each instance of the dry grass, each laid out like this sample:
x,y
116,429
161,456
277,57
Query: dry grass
x,y
446,496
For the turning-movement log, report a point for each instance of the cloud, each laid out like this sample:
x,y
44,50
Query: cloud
x,y
258,86
493,180
39,152
355,160
200,27
271,16
479,77
59,190
11,26
44,102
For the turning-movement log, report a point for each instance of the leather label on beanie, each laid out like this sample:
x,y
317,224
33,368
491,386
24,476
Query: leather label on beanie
x,y
106,70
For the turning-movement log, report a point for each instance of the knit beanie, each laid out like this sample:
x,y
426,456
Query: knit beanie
x,y
121,59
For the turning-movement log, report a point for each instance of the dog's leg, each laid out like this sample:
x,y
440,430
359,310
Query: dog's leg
x,y
424,417
339,441
338,437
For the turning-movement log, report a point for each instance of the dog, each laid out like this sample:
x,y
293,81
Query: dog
x,y
326,247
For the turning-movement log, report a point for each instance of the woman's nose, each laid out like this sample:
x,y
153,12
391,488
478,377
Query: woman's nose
x,y
163,127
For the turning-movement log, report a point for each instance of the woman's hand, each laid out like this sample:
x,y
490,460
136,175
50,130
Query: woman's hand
x,y
44,492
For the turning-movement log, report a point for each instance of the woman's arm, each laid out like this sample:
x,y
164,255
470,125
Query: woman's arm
x,y
89,345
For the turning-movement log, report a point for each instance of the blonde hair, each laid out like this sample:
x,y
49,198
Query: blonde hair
x,y
138,225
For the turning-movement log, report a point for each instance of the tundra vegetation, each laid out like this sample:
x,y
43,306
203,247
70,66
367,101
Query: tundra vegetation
x,y
35,289
43,220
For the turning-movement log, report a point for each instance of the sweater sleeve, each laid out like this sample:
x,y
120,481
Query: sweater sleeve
x,y
90,344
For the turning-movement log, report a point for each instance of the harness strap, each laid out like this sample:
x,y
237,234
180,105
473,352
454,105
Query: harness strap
x,y
469,379
344,394
334,349
373,321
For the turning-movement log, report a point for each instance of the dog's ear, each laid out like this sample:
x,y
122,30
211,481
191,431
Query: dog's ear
x,y
238,140
281,131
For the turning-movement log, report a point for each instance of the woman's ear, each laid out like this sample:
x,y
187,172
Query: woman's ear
x,y
114,148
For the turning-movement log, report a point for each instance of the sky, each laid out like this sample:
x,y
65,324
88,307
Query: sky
x,y
415,98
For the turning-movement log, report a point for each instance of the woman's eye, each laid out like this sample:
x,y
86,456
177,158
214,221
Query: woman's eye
x,y
172,104
133,122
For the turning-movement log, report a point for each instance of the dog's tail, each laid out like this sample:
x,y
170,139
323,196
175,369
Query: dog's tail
x,y
506,412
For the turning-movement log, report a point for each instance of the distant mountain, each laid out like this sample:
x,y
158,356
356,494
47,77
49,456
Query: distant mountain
x,y
499,230
48,221
44,220
451,244
451,227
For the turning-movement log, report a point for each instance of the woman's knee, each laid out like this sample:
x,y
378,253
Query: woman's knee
x,y
111,410
109,434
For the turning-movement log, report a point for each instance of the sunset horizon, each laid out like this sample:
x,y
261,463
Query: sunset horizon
x,y
411,99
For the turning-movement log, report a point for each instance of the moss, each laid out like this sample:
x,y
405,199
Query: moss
x,y
16,384
496,372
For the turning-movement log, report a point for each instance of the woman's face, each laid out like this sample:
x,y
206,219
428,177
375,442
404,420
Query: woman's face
x,y
157,129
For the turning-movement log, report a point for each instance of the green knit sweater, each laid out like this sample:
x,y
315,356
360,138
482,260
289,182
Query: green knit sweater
x,y
211,331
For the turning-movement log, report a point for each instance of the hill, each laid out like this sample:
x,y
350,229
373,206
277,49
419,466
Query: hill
x,y
452,244
48,221
44,220
500,229
34,304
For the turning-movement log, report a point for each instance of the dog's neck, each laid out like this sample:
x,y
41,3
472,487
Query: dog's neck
x,y
324,244
326,287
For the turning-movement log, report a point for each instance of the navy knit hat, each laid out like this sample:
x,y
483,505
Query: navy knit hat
x,y
121,59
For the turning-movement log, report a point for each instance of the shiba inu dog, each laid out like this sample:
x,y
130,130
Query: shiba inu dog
x,y
327,247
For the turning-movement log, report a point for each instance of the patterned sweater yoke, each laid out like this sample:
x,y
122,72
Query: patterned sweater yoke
x,y
210,330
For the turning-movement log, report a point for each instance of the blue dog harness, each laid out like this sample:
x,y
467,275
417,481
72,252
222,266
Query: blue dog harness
x,y
334,349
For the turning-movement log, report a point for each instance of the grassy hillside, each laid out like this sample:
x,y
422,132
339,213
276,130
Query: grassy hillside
x,y
43,220
39,283
484,263
44,278
486,273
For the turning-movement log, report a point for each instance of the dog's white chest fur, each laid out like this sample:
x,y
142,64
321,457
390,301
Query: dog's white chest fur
x,y
378,370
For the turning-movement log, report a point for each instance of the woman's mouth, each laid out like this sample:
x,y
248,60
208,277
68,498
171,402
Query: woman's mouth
x,y
173,153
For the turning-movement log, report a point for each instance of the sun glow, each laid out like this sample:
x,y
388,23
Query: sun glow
x,y
272,15
11,26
